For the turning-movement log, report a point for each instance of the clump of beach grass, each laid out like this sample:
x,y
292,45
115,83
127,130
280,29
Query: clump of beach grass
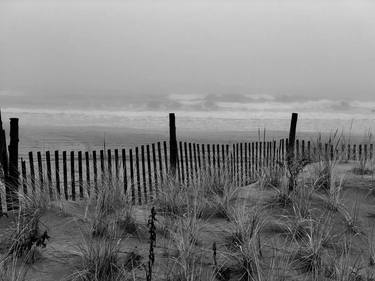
x,y
186,263
333,199
271,177
309,257
244,240
351,218
13,269
173,197
282,197
279,266
220,193
100,260
28,234
112,209
326,161
371,246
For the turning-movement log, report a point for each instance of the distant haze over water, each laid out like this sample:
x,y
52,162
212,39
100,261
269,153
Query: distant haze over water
x,y
357,123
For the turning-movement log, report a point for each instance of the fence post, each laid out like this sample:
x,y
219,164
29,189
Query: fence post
x,y
172,144
3,150
13,163
3,160
290,151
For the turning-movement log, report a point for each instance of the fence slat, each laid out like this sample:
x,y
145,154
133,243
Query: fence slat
x,y
102,168
87,159
371,151
65,176
149,171
241,159
209,159
132,175
260,156
195,160
95,166
297,149
80,175
204,164
124,171
188,176
160,164
155,167
218,158
165,156
309,150
57,173
276,153
116,165
182,163
40,169
191,162
24,177
246,170
49,173
199,158
109,165
32,171
144,172
72,176
233,164
138,175
227,159
237,165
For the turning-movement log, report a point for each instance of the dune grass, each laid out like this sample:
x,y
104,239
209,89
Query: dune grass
x,y
213,230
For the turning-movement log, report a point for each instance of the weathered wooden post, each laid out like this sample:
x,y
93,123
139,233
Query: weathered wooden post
x,y
13,184
172,144
3,150
290,149
3,160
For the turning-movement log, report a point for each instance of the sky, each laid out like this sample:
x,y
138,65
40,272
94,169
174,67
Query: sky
x,y
228,59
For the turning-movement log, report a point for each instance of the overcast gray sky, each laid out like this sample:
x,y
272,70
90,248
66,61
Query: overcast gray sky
x,y
193,55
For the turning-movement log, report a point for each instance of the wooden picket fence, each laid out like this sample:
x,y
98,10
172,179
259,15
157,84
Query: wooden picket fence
x,y
141,171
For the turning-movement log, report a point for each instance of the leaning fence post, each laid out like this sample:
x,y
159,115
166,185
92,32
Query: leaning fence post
x,y
13,163
3,159
3,150
172,144
290,151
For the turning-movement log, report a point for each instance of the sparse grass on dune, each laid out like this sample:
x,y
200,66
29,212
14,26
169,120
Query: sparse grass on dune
x,y
271,177
11,269
184,238
212,194
174,198
100,260
220,191
99,251
27,233
313,233
244,240
112,211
